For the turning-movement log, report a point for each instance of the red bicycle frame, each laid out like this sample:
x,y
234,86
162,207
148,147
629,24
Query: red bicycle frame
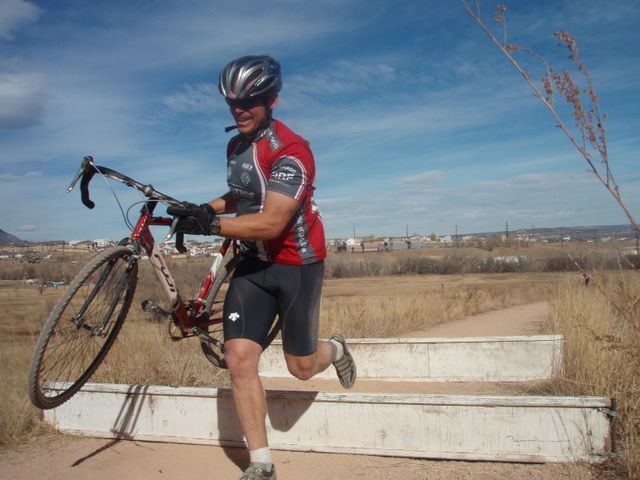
x,y
186,315
190,316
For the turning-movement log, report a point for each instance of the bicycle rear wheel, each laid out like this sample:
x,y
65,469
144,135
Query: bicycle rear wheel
x,y
82,327
213,347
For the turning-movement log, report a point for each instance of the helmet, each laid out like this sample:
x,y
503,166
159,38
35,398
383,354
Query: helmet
x,y
250,77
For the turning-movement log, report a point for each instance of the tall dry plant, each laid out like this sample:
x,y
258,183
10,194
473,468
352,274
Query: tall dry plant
x,y
590,136
605,334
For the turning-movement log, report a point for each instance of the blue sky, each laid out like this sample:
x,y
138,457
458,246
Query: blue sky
x,y
415,118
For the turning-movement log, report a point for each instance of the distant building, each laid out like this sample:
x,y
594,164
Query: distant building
x,y
83,245
104,243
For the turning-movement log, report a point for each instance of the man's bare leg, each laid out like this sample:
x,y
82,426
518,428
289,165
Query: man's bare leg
x,y
306,367
242,357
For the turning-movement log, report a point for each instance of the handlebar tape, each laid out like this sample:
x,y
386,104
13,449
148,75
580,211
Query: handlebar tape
x,y
180,242
84,187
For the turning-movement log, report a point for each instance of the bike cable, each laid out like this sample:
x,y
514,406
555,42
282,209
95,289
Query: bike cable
x,y
124,215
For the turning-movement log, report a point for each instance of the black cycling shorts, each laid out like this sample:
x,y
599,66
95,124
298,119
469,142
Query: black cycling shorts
x,y
259,291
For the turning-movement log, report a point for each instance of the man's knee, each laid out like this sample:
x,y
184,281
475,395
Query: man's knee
x,y
242,358
303,368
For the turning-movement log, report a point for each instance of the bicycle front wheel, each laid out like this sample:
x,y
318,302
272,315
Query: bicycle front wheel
x,y
82,327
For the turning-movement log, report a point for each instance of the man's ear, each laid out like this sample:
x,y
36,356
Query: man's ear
x,y
274,101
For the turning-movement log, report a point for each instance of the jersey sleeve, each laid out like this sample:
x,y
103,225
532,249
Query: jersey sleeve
x,y
291,177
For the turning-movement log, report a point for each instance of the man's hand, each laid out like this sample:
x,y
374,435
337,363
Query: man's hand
x,y
195,219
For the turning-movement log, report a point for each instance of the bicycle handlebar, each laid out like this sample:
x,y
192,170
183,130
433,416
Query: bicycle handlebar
x,y
88,169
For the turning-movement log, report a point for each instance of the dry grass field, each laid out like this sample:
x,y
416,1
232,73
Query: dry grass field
x,y
601,327
385,298
144,354
21,318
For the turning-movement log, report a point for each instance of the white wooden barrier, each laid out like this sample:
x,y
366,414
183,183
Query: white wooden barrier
x,y
503,428
462,359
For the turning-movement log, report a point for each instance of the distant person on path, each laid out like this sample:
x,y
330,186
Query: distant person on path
x,y
270,174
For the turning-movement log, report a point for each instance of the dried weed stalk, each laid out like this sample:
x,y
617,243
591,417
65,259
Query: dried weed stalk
x,y
591,139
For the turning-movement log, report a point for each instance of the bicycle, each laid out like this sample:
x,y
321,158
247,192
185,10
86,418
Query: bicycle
x,y
85,322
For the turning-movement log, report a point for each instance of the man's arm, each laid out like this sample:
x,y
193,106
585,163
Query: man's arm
x,y
275,217
224,204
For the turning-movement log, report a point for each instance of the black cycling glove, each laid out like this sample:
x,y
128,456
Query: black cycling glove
x,y
195,219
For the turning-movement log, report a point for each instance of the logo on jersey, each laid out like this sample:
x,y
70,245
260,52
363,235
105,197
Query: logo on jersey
x,y
234,316
245,178
247,166
243,194
286,177
274,142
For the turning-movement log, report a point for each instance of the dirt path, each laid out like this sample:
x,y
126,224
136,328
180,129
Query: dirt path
x,y
520,320
67,458
58,457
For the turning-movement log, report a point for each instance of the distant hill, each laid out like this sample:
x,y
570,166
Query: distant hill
x,y
8,239
585,233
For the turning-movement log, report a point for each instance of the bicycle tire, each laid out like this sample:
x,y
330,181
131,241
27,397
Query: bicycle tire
x,y
82,327
214,350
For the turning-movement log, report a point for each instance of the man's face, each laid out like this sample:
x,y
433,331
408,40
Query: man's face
x,y
251,115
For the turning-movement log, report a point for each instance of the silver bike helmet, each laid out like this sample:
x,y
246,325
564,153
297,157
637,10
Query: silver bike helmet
x,y
249,77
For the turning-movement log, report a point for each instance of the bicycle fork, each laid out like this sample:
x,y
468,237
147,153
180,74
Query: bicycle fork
x,y
101,330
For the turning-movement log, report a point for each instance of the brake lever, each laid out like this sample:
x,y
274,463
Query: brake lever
x,y
86,161
75,179
172,228
179,236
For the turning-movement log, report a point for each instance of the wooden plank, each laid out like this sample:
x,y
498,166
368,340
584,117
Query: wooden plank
x,y
523,429
462,359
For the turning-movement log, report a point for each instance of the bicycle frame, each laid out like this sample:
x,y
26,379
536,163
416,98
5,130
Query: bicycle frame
x,y
186,315
190,316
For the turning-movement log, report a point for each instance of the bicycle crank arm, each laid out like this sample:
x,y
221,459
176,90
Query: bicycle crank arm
x,y
204,336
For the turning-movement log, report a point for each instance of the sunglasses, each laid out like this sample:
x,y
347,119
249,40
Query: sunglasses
x,y
245,103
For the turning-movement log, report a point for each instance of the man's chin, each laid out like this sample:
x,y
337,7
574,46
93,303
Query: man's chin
x,y
245,129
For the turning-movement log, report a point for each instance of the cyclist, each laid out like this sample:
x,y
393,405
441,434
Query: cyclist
x,y
270,173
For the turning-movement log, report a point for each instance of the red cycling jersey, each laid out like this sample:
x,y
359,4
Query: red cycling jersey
x,y
279,160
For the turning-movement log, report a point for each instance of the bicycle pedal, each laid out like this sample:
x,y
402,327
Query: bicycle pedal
x,y
149,306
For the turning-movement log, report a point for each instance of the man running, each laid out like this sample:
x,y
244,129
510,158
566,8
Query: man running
x,y
270,174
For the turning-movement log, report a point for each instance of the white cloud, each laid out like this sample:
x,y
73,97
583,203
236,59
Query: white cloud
x,y
182,36
7,177
27,228
342,77
22,100
420,180
14,14
203,97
